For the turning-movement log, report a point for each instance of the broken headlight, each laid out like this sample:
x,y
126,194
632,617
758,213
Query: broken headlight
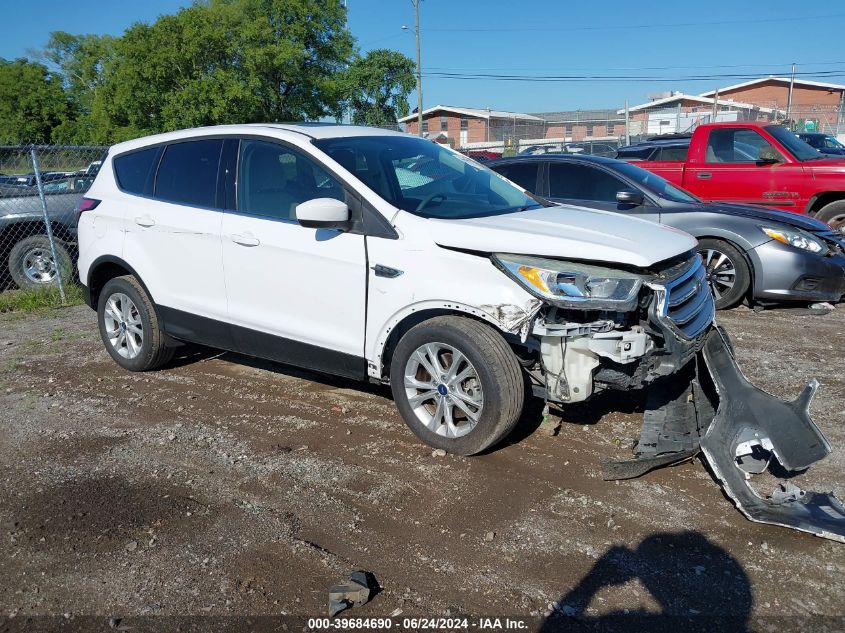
x,y
573,285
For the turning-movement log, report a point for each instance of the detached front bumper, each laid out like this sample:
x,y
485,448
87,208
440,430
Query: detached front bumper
x,y
783,273
742,431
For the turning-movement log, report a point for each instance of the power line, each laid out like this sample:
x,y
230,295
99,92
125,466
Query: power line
x,y
782,66
622,27
612,78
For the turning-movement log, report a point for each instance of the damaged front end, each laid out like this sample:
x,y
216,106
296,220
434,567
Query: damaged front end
x,y
742,431
655,329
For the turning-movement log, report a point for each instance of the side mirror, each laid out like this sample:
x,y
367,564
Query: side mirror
x,y
323,213
627,196
768,156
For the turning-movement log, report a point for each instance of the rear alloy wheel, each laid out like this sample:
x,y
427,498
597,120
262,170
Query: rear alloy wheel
x,y
129,326
727,272
833,214
457,384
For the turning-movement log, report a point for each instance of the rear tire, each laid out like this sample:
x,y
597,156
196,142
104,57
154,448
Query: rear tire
x,y
129,325
728,273
475,397
833,214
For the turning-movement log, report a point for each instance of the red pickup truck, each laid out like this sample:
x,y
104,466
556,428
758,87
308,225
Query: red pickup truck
x,y
749,162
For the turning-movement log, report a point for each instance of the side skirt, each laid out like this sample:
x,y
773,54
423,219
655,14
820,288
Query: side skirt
x,y
191,328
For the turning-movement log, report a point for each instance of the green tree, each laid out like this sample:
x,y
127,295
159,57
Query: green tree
x,y
32,102
225,61
81,61
378,86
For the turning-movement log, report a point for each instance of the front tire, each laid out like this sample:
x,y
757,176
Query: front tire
x,y
728,273
129,325
457,384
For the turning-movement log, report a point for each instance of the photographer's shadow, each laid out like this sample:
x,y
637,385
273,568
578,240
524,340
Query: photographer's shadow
x,y
697,585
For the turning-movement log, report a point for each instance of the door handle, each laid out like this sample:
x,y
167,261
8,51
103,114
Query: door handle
x,y
145,221
245,240
704,175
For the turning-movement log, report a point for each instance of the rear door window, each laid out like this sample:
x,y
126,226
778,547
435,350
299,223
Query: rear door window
x,y
187,173
134,170
524,174
580,182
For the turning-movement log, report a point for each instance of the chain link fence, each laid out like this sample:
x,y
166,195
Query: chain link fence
x,y
40,188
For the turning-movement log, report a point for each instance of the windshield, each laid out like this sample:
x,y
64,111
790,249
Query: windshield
x,y
425,178
801,150
654,183
831,142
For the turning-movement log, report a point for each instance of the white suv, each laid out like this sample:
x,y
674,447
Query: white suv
x,y
377,255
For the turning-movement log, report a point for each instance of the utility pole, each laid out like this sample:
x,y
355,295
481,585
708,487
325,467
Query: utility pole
x,y
627,125
789,100
715,107
416,4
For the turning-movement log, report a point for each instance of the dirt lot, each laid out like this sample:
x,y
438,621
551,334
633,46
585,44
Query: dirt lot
x,y
225,486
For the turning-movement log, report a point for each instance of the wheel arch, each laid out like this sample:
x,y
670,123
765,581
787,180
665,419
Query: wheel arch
x,y
105,268
378,366
821,200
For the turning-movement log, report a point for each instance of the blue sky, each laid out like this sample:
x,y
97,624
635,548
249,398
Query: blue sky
x,y
665,40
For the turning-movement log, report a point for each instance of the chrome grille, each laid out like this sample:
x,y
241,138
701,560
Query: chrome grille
x,y
688,304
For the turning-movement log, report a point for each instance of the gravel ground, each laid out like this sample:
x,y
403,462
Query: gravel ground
x,y
225,486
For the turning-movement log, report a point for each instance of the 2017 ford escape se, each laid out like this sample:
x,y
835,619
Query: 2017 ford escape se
x,y
376,255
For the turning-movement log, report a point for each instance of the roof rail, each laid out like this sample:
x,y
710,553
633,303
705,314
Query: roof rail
x,y
668,137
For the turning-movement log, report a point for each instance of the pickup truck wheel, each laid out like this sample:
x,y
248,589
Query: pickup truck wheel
x,y
833,214
457,384
727,272
31,263
129,325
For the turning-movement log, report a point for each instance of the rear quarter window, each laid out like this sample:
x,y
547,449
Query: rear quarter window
x,y
134,170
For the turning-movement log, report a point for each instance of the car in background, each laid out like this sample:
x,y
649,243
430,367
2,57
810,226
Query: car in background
x,y
749,251
483,155
24,246
750,163
825,143
591,148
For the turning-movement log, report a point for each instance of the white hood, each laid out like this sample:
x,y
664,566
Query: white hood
x,y
567,232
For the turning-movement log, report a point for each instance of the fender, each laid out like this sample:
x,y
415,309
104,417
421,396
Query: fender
x,y
507,319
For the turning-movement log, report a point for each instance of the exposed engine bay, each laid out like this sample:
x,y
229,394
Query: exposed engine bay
x,y
698,401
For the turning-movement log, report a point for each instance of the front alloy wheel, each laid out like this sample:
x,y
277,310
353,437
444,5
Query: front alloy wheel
x,y
457,383
721,272
443,389
728,274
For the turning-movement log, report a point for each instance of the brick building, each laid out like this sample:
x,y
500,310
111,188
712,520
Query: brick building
x,y
815,104
581,125
468,126
773,92
679,112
